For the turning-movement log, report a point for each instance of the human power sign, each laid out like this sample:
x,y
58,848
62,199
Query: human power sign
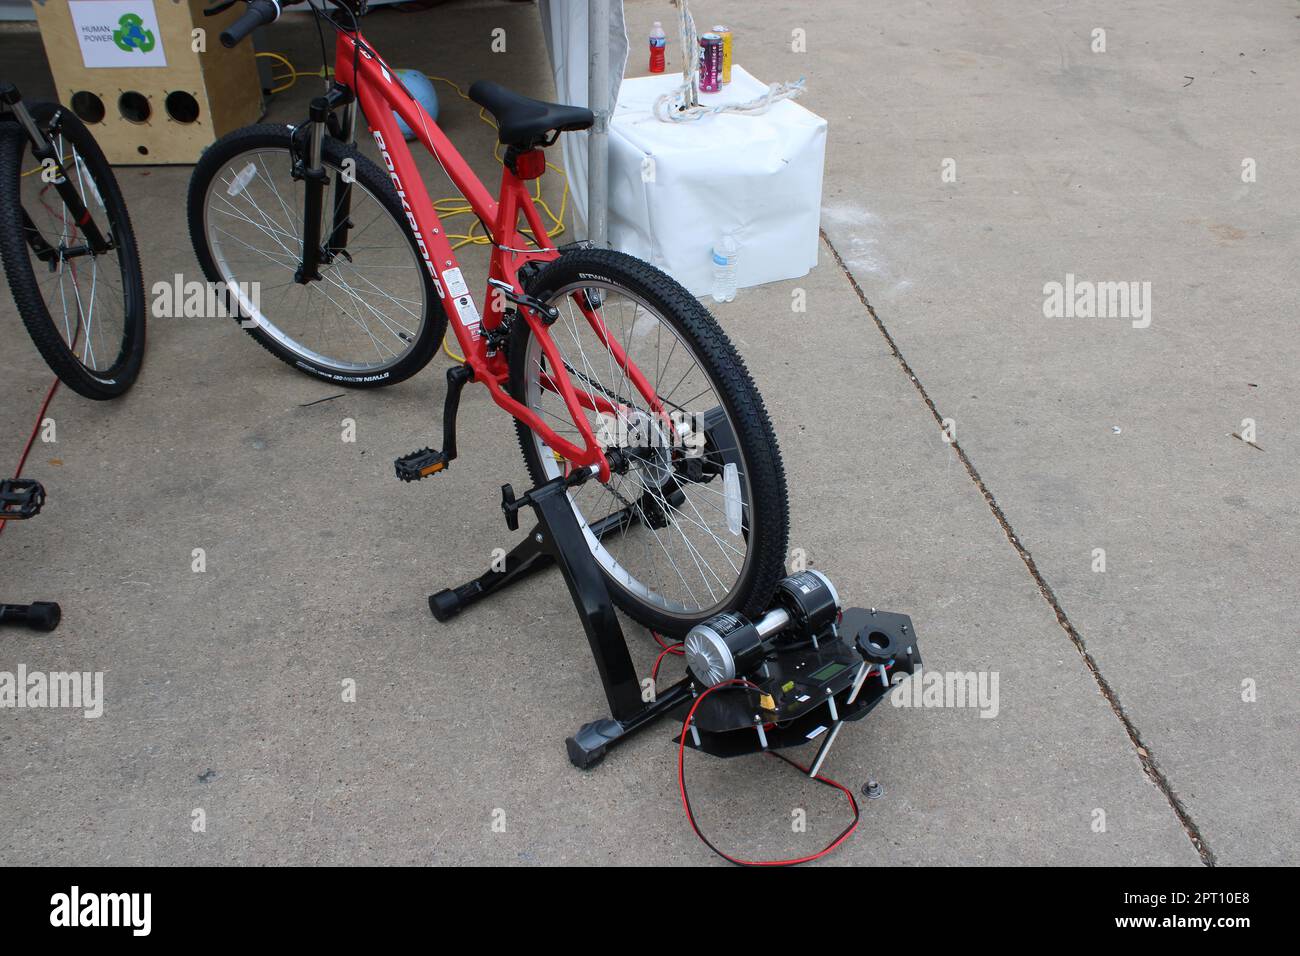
x,y
117,33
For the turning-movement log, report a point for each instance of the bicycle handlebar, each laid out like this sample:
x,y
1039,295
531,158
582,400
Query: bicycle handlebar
x,y
262,12
258,14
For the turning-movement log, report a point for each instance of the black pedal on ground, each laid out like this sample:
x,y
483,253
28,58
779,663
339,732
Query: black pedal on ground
x,y
420,464
20,498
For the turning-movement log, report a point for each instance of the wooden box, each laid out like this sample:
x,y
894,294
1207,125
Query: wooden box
x,y
130,71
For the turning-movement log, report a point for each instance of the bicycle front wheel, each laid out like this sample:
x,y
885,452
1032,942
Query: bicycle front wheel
x,y
84,310
696,523
372,318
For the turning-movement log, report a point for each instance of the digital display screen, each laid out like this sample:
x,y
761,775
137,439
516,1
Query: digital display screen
x,y
827,672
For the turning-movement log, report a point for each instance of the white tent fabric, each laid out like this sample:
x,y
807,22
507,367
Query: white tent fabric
x,y
564,25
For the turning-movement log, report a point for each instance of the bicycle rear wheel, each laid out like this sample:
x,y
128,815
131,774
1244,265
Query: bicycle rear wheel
x,y
700,515
85,311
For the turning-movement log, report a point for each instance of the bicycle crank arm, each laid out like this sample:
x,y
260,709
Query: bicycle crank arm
x,y
429,461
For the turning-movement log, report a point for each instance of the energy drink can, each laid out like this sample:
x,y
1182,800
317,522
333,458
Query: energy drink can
x,y
725,33
710,63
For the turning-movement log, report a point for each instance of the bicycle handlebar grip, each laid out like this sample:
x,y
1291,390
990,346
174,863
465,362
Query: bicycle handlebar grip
x,y
258,14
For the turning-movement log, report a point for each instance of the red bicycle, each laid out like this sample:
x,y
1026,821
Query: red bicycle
x,y
611,369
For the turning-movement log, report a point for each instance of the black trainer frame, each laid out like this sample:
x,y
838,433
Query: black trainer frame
x,y
558,539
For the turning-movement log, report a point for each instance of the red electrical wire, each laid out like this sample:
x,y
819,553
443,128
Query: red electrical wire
x,y
40,417
672,648
686,802
54,386
669,649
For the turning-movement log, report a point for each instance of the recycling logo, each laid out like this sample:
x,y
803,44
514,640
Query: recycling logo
x,y
131,34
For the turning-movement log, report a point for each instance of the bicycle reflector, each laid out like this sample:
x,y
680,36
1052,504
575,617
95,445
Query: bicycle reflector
x,y
529,163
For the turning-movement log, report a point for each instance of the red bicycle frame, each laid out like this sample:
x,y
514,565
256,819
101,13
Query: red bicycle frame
x,y
358,67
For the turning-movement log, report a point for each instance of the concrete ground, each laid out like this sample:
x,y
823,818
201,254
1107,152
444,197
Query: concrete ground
x,y
1122,692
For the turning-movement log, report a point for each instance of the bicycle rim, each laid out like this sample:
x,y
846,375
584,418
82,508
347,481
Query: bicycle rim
x,y
688,566
363,317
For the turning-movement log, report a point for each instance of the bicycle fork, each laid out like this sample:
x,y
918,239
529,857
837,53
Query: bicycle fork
x,y
52,171
324,121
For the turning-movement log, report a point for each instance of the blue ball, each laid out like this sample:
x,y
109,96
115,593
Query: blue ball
x,y
422,89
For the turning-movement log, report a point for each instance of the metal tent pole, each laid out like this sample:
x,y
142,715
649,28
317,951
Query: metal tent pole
x,y
598,138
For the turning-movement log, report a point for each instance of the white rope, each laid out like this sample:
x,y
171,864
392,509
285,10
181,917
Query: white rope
x,y
683,105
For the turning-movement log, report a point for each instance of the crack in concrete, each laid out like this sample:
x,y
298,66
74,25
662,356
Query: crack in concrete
x,y
1143,752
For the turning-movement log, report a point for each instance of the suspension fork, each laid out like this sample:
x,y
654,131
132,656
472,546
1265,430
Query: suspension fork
x,y
346,134
44,151
311,170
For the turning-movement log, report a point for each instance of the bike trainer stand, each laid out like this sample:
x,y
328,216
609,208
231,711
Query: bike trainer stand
x,y
558,539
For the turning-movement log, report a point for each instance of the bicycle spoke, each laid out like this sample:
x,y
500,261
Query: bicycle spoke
x,y
677,550
365,309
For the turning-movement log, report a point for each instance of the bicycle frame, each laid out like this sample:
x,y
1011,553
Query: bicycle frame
x,y
380,93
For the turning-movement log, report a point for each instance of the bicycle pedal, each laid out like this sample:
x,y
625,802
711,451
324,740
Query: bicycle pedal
x,y
20,498
420,464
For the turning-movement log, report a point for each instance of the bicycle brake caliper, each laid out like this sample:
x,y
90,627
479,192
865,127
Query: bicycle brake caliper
x,y
547,313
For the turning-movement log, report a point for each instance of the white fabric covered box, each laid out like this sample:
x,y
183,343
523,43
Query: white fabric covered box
x,y
675,188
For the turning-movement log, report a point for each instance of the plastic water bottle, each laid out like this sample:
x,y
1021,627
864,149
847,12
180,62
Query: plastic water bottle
x,y
658,45
725,254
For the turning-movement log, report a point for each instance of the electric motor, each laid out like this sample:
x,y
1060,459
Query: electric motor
x,y
724,646
810,599
729,645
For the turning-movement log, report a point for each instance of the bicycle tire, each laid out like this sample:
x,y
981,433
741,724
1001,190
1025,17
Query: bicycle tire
x,y
92,383
755,438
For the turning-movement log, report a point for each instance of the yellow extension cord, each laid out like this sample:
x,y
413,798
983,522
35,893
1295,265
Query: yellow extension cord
x,y
449,206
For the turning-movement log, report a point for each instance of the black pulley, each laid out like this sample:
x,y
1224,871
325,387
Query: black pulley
x,y
880,645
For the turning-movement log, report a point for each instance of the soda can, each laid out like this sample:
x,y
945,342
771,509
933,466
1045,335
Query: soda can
x,y
725,33
710,63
